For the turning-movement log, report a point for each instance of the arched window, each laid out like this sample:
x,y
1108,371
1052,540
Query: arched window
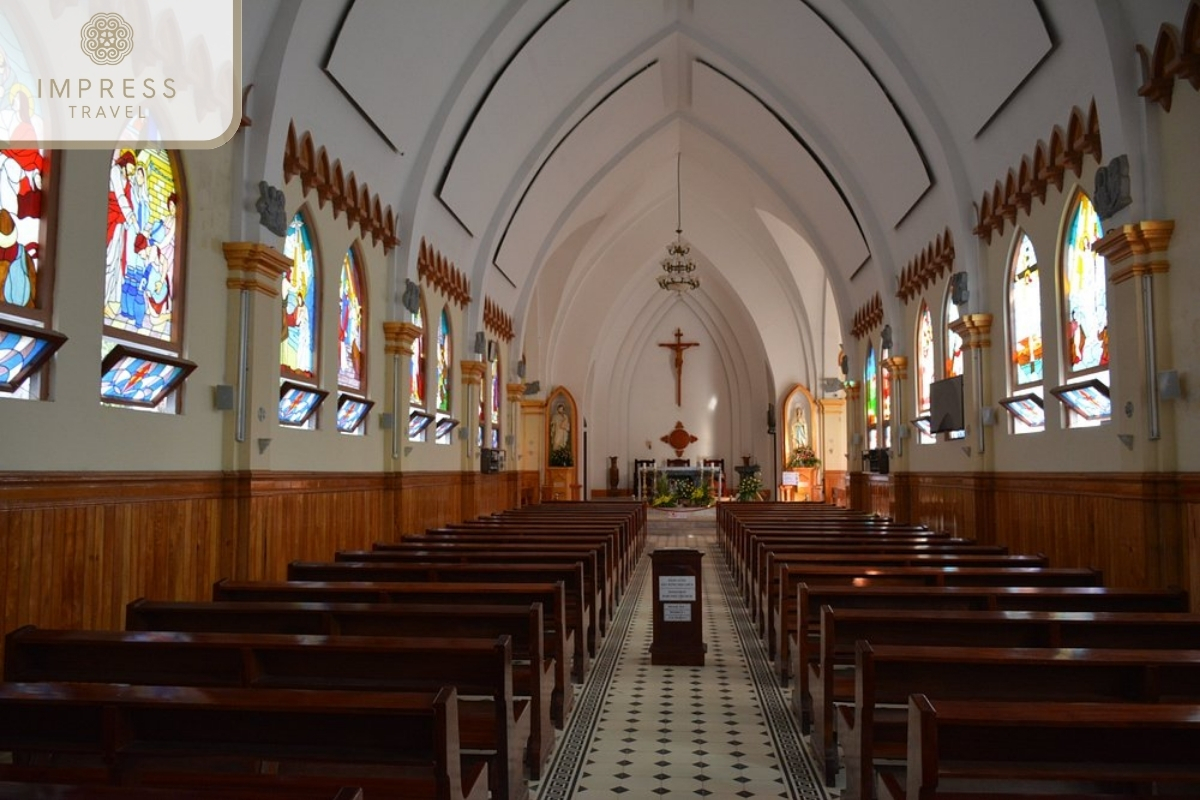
x,y
299,395
925,367
885,394
445,380
143,300
1085,314
419,417
352,325
1025,338
953,345
298,348
871,389
27,203
497,395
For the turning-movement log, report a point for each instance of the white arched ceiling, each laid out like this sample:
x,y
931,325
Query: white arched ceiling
x,y
824,143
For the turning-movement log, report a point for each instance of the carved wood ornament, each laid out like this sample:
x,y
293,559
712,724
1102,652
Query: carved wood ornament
x,y
679,439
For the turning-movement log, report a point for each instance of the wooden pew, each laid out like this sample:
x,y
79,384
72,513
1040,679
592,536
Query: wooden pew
x,y
980,746
791,575
580,609
180,736
756,575
806,651
550,595
491,721
784,567
10,790
534,670
595,585
869,730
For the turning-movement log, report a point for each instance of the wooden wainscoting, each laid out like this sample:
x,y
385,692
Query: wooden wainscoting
x,y
1140,529
76,547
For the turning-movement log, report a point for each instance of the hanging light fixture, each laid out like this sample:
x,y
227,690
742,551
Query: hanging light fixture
x,y
678,266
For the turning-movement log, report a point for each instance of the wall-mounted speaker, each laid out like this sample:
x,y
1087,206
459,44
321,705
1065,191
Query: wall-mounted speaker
x,y
480,343
958,288
771,418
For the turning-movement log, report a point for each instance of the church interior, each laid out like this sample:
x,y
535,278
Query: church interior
x,y
923,264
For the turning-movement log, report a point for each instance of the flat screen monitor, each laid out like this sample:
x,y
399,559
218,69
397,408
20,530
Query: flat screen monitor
x,y
946,405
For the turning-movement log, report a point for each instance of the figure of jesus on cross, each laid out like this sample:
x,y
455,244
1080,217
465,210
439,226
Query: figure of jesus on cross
x,y
678,346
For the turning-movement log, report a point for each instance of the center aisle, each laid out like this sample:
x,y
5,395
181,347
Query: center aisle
x,y
721,730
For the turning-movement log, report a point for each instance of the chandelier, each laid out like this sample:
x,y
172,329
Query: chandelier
x,y
677,266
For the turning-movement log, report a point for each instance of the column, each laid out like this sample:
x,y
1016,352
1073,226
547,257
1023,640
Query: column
x,y
472,373
398,349
253,279
1139,277
978,413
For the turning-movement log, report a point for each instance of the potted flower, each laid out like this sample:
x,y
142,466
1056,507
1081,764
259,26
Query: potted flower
x,y
803,456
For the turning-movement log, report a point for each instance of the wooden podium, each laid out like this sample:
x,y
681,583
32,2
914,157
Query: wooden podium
x,y
678,624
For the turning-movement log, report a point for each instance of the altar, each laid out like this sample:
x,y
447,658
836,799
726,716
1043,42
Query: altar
x,y
648,477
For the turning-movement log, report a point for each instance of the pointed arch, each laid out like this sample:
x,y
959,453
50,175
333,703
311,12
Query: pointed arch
x,y
1084,290
353,322
871,392
299,336
417,385
926,365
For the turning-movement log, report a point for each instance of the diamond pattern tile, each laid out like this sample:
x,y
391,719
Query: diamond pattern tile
x,y
670,731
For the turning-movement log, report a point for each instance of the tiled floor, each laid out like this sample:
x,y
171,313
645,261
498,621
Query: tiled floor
x,y
722,730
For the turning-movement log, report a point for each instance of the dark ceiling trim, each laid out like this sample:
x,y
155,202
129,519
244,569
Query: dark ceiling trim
x,y
1054,43
550,155
349,97
883,88
795,134
483,98
455,217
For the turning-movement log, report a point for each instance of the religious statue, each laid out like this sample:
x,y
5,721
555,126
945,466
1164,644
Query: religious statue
x,y
560,429
799,429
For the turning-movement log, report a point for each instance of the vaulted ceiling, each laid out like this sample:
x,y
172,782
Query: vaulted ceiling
x,y
821,144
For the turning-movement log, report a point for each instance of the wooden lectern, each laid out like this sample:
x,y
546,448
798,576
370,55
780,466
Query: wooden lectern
x,y
678,624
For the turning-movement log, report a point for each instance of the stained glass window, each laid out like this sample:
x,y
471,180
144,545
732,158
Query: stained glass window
x,y
351,412
416,382
885,395
136,378
871,388
496,397
925,365
954,342
444,363
142,270
351,324
143,280
298,348
1085,312
954,350
298,403
1025,315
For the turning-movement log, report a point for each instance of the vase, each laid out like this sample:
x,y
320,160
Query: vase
x,y
614,474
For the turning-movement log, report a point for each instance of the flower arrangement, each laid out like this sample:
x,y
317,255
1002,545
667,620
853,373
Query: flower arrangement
x,y
803,456
682,492
748,488
562,457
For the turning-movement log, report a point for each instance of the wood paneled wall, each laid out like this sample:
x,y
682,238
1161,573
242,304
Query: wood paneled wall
x,y
1140,529
76,548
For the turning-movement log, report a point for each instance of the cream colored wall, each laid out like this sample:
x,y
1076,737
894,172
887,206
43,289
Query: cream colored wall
x,y
73,431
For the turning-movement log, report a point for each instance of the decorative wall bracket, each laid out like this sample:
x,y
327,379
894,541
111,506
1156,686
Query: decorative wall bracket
x,y
678,439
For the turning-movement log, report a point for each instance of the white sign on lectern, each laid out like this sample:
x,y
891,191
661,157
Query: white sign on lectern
x,y
677,587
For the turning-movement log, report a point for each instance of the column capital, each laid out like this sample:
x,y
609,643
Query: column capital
x,y
255,266
472,371
399,337
898,365
853,390
514,391
1139,248
975,330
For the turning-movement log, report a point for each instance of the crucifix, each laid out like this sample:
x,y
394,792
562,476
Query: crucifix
x,y
678,346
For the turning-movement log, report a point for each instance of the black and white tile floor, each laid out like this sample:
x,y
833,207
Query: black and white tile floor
x,y
719,731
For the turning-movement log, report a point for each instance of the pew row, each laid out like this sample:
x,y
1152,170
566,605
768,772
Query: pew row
x,y
395,744
534,670
490,719
974,748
